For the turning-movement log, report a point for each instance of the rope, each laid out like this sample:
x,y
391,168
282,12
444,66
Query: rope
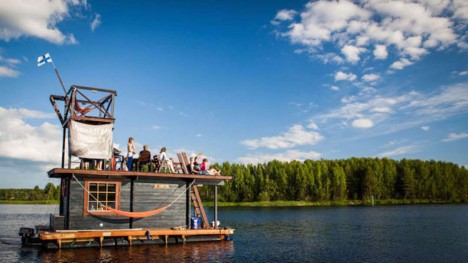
x,y
134,214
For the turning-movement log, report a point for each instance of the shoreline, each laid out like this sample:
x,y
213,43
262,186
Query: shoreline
x,y
29,202
331,203
277,203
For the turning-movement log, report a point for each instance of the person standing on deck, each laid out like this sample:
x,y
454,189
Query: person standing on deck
x,y
130,153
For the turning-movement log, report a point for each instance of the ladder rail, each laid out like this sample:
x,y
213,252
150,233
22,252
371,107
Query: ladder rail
x,y
199,204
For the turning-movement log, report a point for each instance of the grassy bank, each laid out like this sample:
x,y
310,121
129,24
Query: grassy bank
x,y
328,203
279,203
29,202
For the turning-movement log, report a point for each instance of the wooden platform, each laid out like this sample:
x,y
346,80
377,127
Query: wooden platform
x,y
115,237
200,179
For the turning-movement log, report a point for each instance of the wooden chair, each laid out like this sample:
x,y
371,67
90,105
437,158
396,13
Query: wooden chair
x,y
144,159
178,167
156,163
164,165
186,160
92,164
183,163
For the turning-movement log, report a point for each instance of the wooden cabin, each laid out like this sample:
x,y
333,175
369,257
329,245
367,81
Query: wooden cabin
x,y
128,191
115,207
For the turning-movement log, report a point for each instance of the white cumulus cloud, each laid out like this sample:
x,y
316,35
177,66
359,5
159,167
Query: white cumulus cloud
x,y
394,113
402,63
455,136
21,140
399,151
7,67
380,52
370,77
38,18
381,110
8,72
312,126
296,135
351,53
362,123
96,22
287,156
339,76
408,29
285,15
463,73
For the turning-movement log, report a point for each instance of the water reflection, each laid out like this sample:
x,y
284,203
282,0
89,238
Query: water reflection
x,y
335,234
191,252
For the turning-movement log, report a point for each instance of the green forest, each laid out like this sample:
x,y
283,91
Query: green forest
x,y
341,180
50,192
320,181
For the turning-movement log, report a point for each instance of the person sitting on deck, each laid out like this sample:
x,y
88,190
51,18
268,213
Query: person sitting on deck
x,y
206,171
165,161
144,158
192,168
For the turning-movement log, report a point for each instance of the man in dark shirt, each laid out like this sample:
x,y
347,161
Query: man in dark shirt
x,y
145,157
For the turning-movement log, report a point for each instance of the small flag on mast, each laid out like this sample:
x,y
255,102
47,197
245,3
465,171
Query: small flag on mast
x,y
41,60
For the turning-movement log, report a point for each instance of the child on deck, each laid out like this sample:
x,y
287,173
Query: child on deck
x,y
205,171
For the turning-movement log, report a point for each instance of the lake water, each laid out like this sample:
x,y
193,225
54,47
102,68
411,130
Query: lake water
x,y
412,233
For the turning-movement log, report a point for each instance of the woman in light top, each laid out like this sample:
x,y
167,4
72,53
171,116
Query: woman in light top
x,y
165,160
130,153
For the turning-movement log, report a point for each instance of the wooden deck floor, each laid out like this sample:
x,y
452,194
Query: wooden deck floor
x,y
200,179
131,235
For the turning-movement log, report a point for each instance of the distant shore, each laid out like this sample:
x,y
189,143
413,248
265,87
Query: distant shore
x,y
277,203
29,202
329,203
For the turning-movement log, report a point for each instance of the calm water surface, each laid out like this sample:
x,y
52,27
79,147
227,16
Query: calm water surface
x,y
419,233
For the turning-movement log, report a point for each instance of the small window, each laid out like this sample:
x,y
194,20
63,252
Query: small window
x,y
100,194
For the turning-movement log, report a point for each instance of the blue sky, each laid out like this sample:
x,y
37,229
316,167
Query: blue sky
x,y
240,81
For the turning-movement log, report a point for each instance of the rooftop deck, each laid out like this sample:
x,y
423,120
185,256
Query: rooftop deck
x,y
149,176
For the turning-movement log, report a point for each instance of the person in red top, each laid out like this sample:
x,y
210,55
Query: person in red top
x,y
206,171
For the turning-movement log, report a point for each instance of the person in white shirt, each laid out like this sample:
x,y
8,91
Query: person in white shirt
x,y
165,160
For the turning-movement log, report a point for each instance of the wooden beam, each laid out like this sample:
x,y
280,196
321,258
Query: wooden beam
x,y
96,89
142,176
82,234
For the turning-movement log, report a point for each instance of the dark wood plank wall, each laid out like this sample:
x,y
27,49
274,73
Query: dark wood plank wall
x,y
146,197
149,197
77,219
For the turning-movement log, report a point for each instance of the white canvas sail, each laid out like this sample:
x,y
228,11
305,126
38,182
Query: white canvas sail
x,y
90,141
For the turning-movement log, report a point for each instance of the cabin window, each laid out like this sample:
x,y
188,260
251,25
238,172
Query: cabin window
x,y
99,194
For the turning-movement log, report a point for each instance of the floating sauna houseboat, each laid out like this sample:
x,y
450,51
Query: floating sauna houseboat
x,y
111,207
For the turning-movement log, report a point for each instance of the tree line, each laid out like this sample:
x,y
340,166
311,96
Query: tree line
x,y
50,192
349,179
320,180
